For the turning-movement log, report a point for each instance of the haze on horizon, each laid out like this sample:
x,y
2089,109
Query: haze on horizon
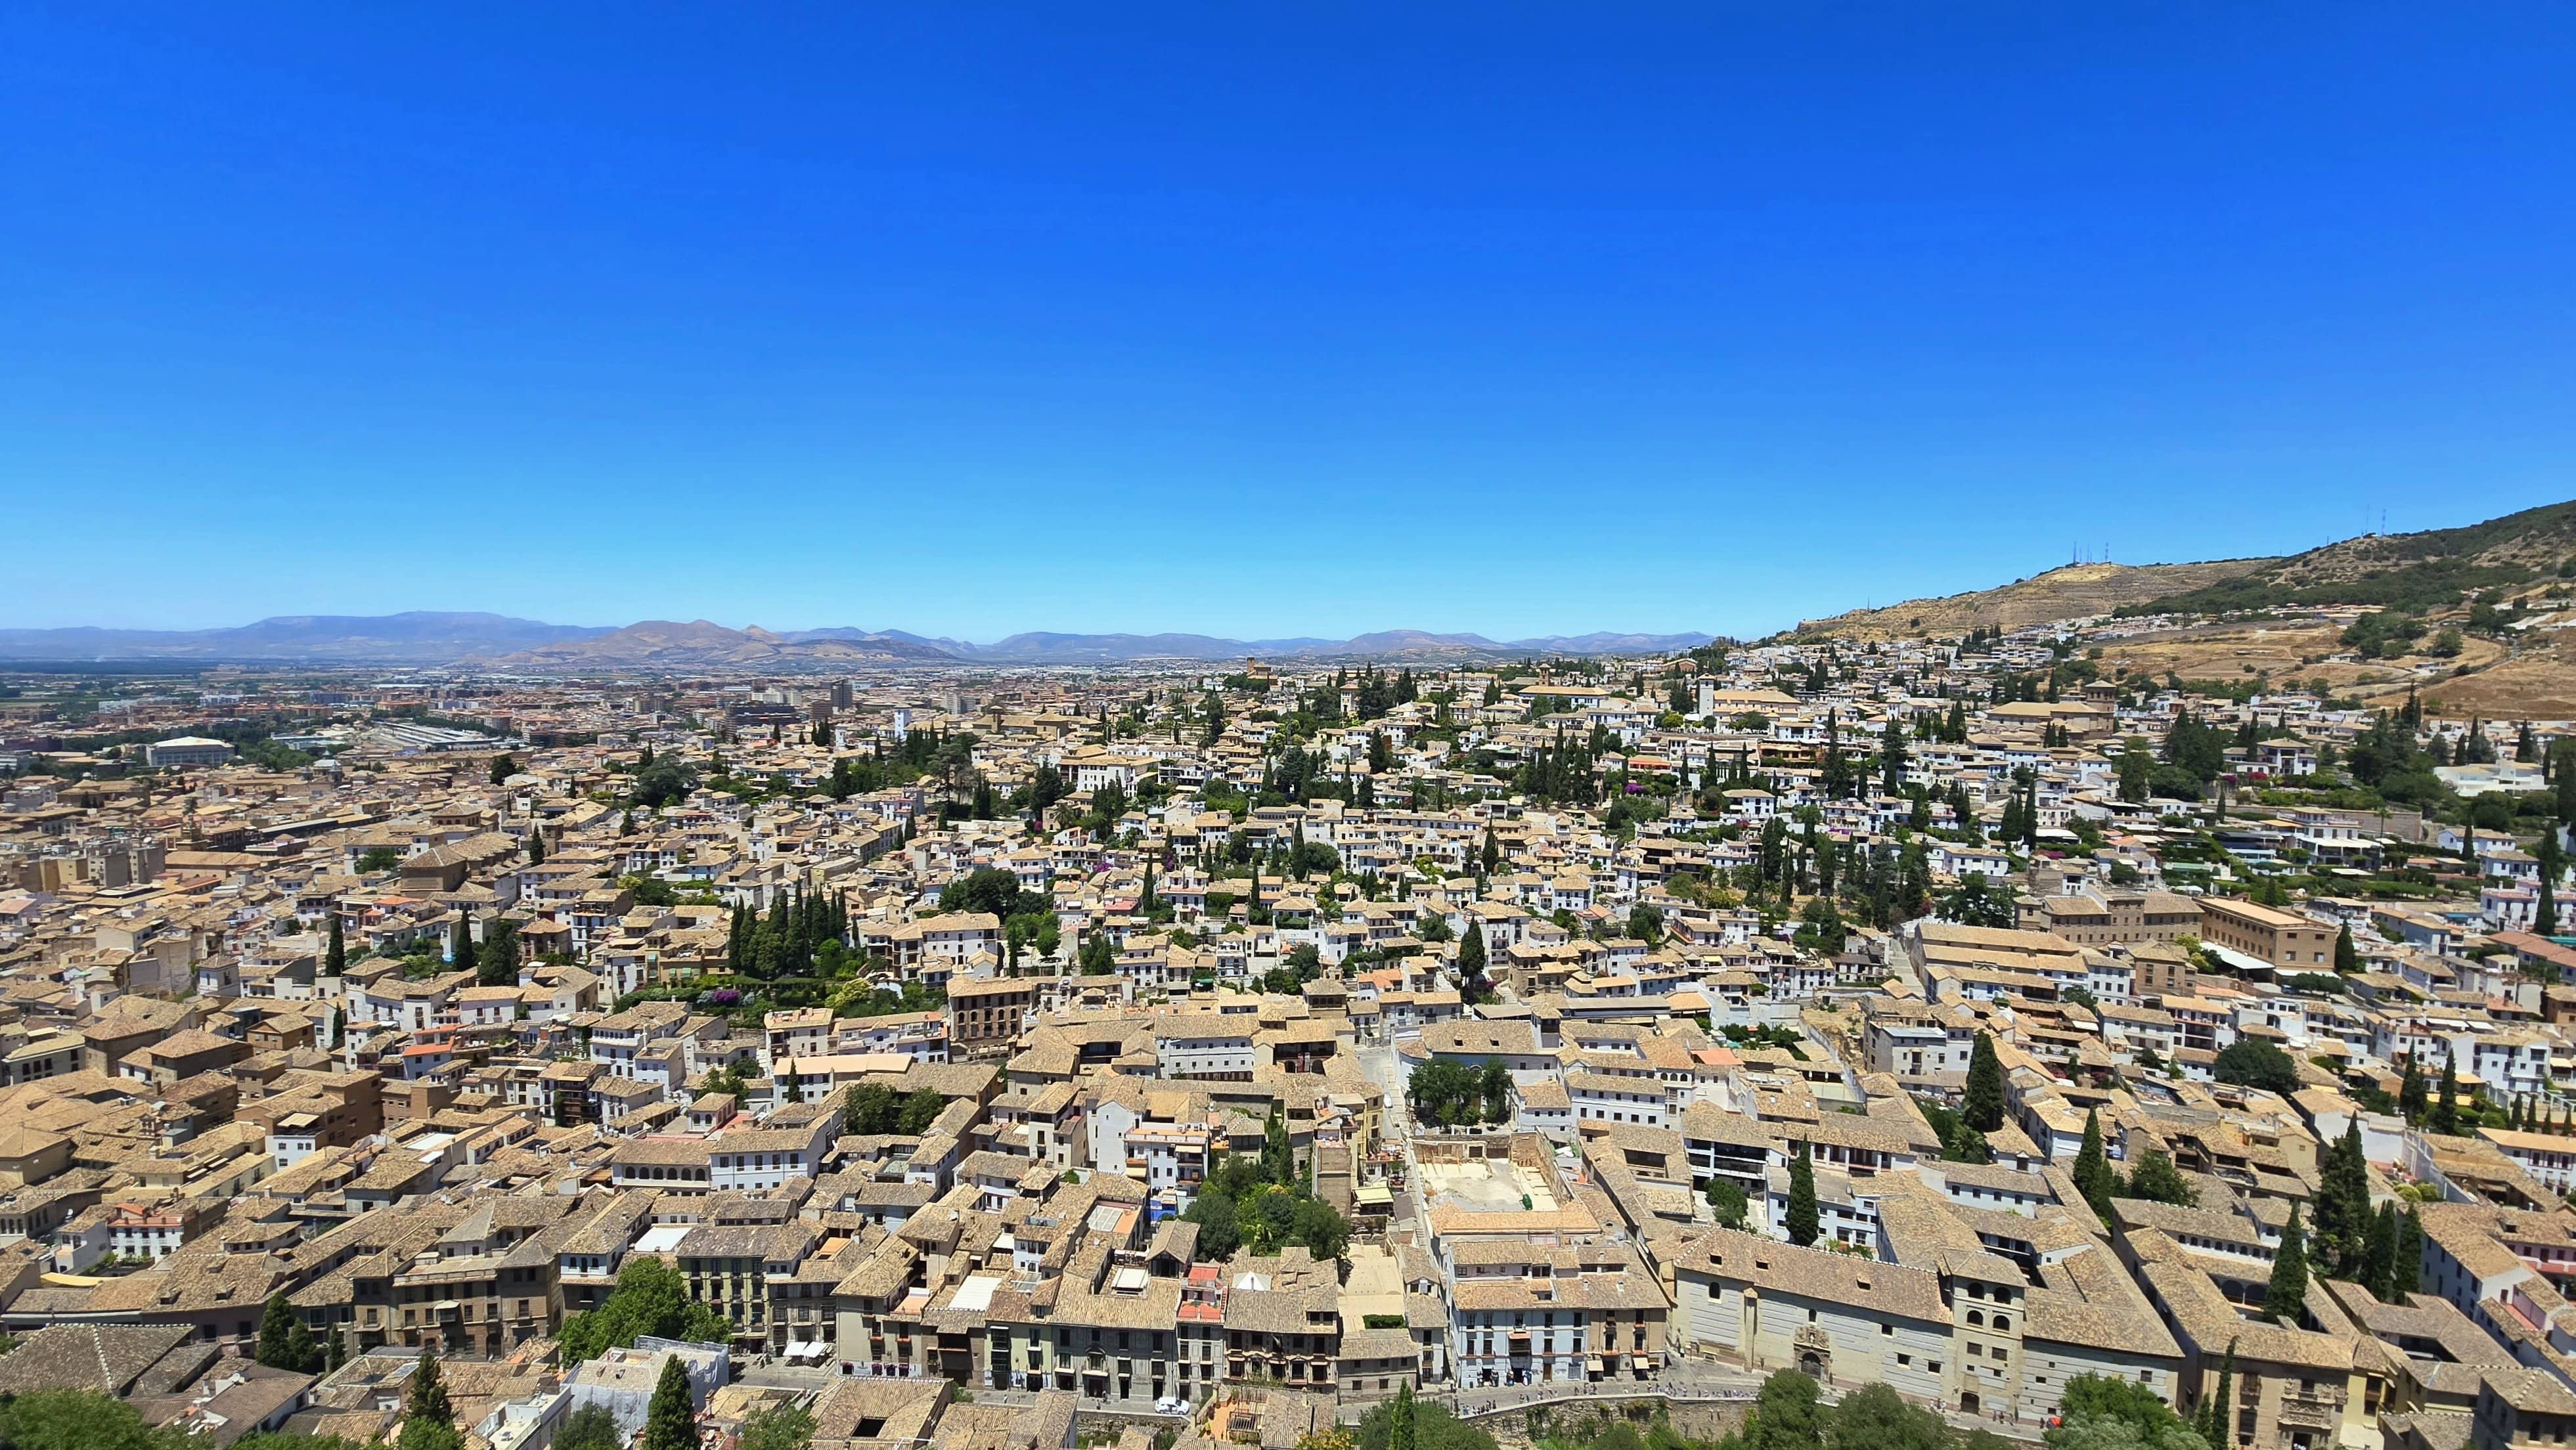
x,y
1519,322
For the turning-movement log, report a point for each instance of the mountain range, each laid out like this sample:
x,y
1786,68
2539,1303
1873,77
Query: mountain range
x,y
493,641
2430,570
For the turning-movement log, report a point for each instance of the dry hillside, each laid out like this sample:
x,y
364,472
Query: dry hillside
x,y
2074,591
2537,683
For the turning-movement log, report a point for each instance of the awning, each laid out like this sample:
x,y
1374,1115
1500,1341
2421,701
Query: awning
x,y
1593,1364
808,1349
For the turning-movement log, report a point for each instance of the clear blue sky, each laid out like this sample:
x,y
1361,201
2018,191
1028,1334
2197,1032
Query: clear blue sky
x,y
1256,320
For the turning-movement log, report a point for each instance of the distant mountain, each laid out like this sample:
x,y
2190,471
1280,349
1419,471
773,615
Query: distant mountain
x,y
1400,643
702,645
417,637
1599,643
493,641
1043,648
957,647
2415,572
2073,591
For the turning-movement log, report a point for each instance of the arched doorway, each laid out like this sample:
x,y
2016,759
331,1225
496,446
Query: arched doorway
x,y
1968,1403
1810,1365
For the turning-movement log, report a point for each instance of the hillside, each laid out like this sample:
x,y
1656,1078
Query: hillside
x,y
2075,591
698,644
418,637
2417,572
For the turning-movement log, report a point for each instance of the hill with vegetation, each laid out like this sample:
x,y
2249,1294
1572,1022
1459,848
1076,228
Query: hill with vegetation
x,y
2075,591
2414,574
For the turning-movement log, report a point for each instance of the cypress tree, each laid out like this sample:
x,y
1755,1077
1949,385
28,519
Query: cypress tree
x,y
671,1421
2411,1097
335,956
2343,1205
2347,958
275,1322
429,1421
336,1353
2093,1175
1803,1220
1471,962
460,957
2379,1262
2285,1298
497,963
2446,1108
1399,1422
536,847
2218,1414
1983,1103
2406,1271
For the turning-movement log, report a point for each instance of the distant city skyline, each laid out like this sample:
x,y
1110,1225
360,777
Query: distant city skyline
x,y
1517,322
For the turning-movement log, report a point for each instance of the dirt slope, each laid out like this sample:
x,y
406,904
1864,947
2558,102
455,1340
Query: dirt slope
x,y
2074,591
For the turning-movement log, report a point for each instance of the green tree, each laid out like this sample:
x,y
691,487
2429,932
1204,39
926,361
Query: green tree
x,y
503,767
2406,1268
777,1427
2106,1397
2446,1108
1645,923
2379,1261
429,1421
2093,1175
591,1427
2343,1206
496,964
1875,1417
1784,1415
1471,965
460,952
2251,1062
671,1420
1278,1158
1982,1106
1324,1232
1220,1233
78,1420
2412,1099
871,1110
2156,1178
2218,1411
650,1299
2285,1298
335,954
1433,1428
1803,1222
1727,1202
2347,958
1400,1425
1494,1085
2137,768
284,1342
921,1108
2098,1412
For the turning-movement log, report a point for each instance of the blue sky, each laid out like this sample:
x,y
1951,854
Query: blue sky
x,y
1256,320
